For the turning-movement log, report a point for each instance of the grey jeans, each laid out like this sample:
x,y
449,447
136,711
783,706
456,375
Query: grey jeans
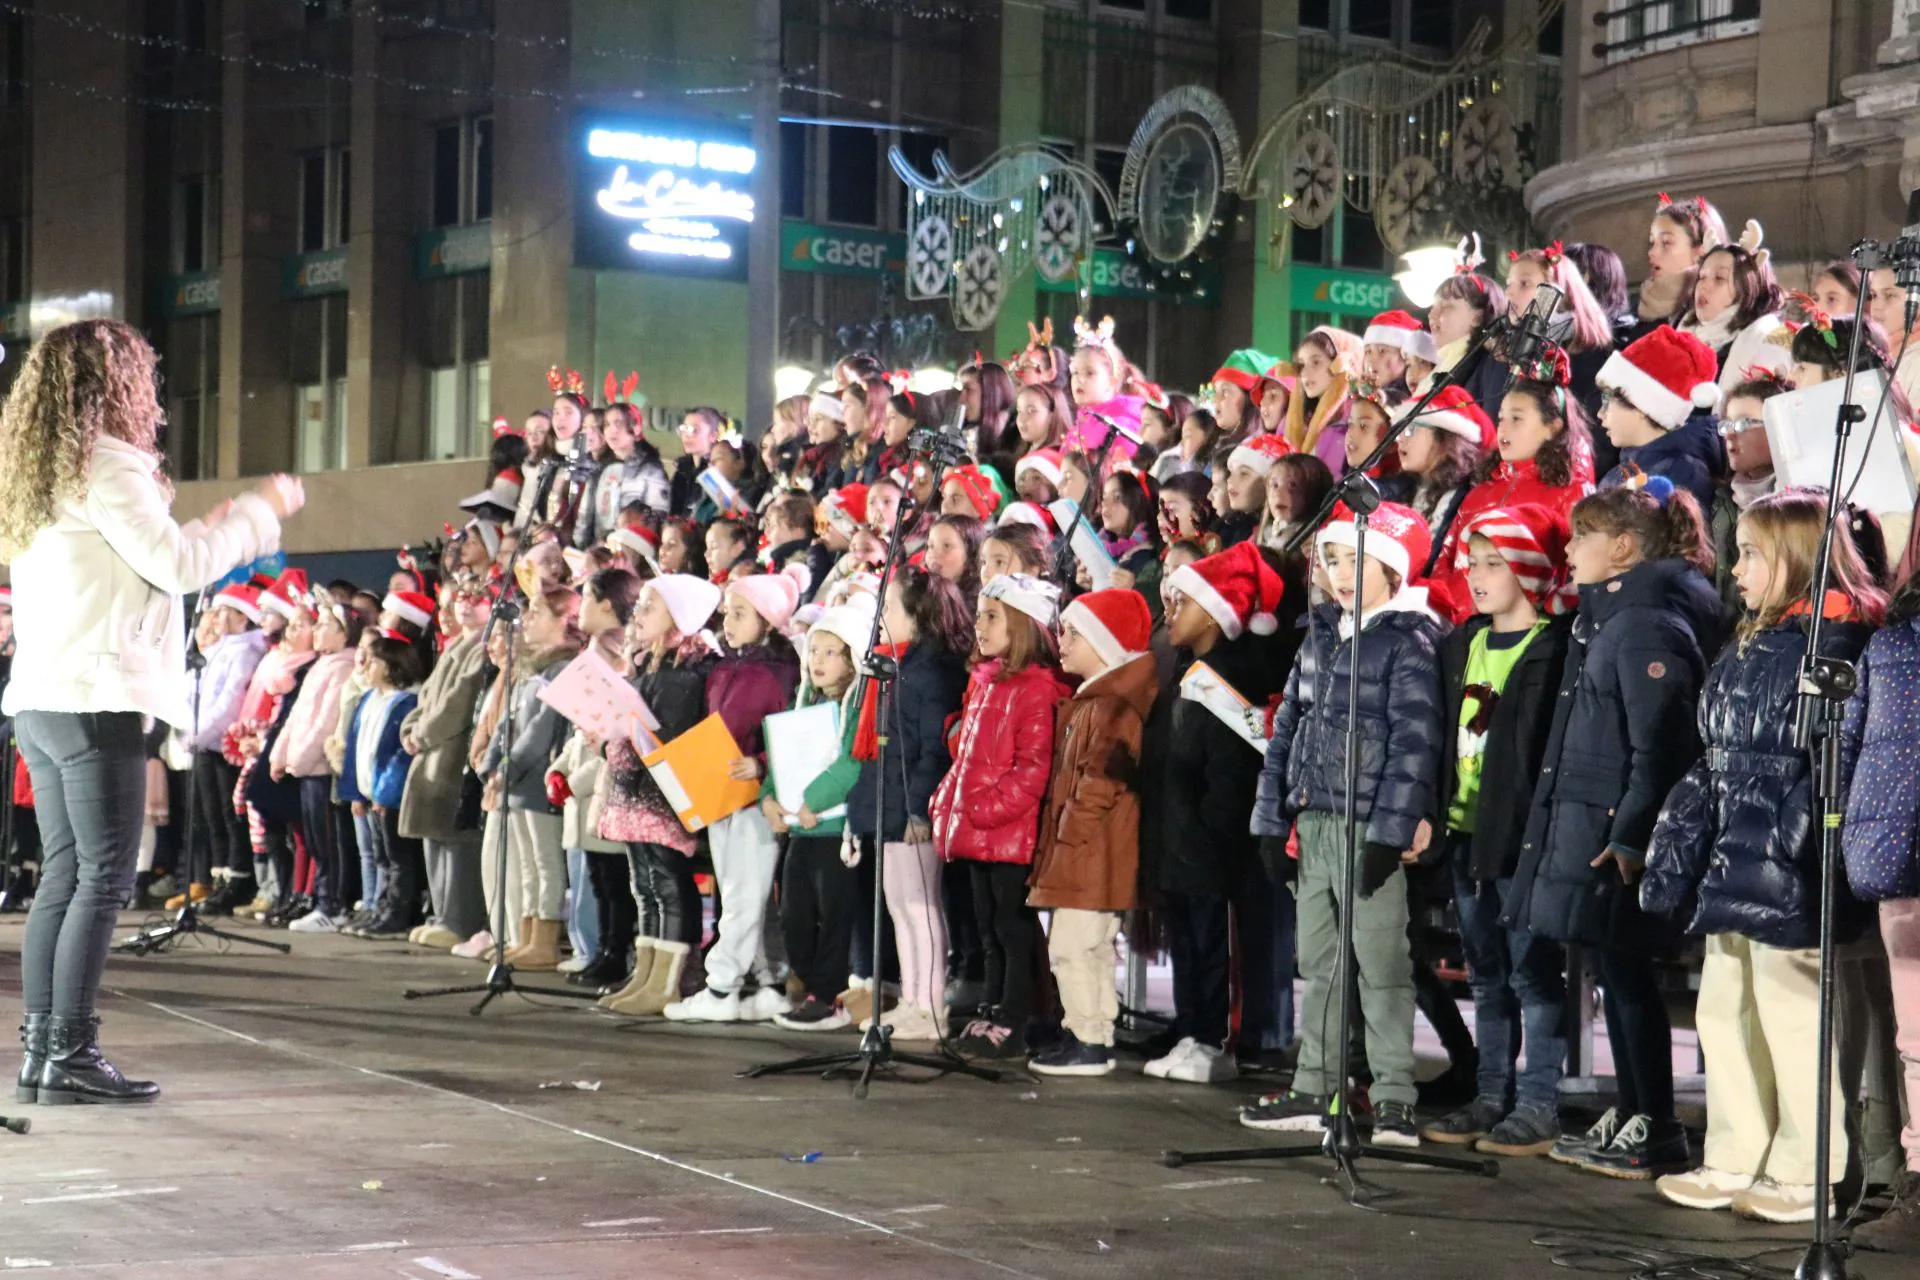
x,y
89,775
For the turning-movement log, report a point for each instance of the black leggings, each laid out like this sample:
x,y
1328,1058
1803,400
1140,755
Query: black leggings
x,y
1639,1031
669,900
221,833
819,898
323,846
403,870
613,900
1006,936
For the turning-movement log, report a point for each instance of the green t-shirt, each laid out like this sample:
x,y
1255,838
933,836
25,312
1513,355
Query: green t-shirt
x,y
1490,660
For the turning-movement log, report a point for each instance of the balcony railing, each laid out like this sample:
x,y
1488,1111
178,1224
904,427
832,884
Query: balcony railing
x,y
1655,26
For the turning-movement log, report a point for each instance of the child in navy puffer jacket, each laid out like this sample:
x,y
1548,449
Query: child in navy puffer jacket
x,y
1737,850
1303,787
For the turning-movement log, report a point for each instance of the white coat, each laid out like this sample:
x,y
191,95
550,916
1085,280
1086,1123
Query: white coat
x,y
96,595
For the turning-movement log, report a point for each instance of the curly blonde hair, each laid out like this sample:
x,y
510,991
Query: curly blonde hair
x,y
79,382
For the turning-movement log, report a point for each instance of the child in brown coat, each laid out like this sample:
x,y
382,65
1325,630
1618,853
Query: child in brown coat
x,y
1089,851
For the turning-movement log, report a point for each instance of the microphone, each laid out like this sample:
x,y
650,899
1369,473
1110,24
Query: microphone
x,y
1522,340
946,445
1903,255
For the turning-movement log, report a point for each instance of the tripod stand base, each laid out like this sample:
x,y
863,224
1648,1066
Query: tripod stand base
x,y
876,1052
499,983
1343,1150
1822,1261
161,937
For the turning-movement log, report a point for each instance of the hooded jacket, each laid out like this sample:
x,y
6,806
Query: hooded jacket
x,y
538,733
640,477
222,687
299,749
1690,455
1089,852
1736,849
442,726
1623,733
1877,761
1401,737
745,686
987,808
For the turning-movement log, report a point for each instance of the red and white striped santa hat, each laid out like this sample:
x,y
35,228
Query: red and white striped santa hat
x,y
1397,536
1532,539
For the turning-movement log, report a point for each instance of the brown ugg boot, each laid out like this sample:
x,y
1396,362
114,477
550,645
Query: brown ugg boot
x,y
644,956
523,938
662,987
544,951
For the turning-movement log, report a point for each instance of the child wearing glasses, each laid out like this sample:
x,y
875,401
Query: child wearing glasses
x,y
1750,478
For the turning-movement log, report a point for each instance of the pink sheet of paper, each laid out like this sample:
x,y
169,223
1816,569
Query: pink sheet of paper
x,y
591,695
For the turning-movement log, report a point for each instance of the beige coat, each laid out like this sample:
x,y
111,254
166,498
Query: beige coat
x,y
442,725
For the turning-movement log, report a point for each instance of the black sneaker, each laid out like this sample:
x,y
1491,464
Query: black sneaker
x,y
1074,1057
234,893
1468,1125
1288,1112
1643,1150
1527,1131
1393,1125
813,1014
1578,1148
992,1037
1898,1230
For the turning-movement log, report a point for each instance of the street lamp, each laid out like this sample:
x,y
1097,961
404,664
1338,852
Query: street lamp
x,y
1425,270
791,380
927,381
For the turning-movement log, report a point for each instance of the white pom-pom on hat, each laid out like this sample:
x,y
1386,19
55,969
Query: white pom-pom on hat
x,y
1263,624
1706,395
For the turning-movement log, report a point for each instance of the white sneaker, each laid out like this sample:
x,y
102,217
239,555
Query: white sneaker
x,y
1159,1068
765,1004
705,1006
1772,1201
574,965
1702,1188
473,948
315,921
909,1022
1205,1065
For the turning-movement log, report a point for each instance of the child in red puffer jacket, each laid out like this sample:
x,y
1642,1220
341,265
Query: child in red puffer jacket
x,y
986,811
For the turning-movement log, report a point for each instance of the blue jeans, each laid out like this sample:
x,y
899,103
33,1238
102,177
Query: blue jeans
x,y
370,885
583,906
1519,985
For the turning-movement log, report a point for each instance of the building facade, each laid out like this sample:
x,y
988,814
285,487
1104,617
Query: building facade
x,y
360,230
1787,112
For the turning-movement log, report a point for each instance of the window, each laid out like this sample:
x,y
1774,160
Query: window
x,y
1317,14
1634,27
853,176
13,259
1304,323
196,222
13,57
191,17
458,399
793,170
190,392
1430,23
1193,10
1360,244
1108,162
918,148
462,172
1370,19
325,178
318,347
1309,244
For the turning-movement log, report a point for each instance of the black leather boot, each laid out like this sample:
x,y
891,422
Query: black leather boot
x,y
75,1072
33,1056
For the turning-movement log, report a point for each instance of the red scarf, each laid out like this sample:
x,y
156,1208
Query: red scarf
x,y
866,735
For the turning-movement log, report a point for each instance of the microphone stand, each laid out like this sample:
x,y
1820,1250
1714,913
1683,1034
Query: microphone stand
x,y
499,982
1063,574
162,937
1341,1143
876,1051
1825,685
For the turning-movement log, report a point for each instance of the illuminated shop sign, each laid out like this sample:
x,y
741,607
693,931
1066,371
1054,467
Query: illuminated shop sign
x,y
659,195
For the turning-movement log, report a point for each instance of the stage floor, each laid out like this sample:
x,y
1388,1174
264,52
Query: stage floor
x,y
314,1124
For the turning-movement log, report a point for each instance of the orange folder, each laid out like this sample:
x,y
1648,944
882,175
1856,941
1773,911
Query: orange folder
x,y
692,773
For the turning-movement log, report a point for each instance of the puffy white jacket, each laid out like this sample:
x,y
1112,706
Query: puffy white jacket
x,y
96,595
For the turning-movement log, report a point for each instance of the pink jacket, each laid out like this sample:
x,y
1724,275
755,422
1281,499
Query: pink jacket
x,y
299,750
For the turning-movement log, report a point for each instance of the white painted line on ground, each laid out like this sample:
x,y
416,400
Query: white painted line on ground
x,y
1205,1183
623,1222
443,1268
104,1195
658,1157
919,1208
22,1264
74,1173
377,1244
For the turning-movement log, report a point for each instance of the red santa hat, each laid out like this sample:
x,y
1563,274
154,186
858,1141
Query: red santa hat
x,y
1260,453
1237,588
774,596
288,594
1046,462
503,492
846,508
6,597
411,606
1455,411
242,599
1397,537
640,540
1393,329
1030,513
1116,623
690,600
1665,375
488,532
1532,539
1421,346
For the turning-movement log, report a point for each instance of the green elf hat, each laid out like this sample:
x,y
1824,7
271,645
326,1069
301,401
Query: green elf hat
x,y
1244,369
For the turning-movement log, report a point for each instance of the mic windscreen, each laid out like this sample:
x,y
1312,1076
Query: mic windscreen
x,y
1913,214
1546,301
